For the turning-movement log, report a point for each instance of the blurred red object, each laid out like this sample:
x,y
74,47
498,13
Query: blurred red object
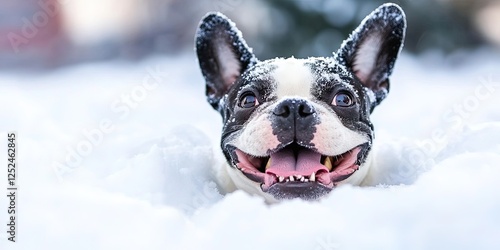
x,y
31,33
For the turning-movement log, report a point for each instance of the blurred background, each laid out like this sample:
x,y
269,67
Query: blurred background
x,y
47,34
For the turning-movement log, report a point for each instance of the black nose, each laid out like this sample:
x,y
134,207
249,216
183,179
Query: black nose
x,y
294,120
294,107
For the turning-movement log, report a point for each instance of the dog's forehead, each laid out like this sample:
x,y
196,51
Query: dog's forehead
x,y
293,77
298,77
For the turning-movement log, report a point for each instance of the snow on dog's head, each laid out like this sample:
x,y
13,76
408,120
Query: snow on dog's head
x,y
298,127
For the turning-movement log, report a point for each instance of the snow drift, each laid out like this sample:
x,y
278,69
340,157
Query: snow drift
x,y
119,156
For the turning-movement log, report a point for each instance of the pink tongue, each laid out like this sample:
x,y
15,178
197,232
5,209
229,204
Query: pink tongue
x,y
283,163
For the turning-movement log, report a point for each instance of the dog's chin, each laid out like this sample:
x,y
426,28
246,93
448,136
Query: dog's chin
x,y
298,172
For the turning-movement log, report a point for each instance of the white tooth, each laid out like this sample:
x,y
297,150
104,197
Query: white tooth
x,y
281,178
291,178
302,178
313,177
287,180
306,180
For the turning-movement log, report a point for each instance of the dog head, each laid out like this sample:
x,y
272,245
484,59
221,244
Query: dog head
x,y
298,127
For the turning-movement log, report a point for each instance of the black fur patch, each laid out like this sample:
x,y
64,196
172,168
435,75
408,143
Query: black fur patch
x,y
332,78
389,23
216,30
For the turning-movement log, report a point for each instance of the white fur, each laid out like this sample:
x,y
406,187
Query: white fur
x,y
292,78
332,137
257,136
366,56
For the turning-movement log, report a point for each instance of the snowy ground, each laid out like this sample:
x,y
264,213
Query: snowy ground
x,y
117,156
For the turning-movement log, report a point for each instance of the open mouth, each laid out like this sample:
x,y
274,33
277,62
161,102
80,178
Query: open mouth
x,y
294,166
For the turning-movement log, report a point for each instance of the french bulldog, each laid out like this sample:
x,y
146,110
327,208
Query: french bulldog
x,y
298,128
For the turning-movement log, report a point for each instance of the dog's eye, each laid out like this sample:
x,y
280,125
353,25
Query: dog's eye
x,y
248,101
342,100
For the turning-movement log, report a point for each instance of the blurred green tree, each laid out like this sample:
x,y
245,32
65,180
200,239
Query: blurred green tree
x,y
317,27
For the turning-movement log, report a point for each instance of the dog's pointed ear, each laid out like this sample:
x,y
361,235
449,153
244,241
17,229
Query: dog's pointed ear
x,y
372,49
223,55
